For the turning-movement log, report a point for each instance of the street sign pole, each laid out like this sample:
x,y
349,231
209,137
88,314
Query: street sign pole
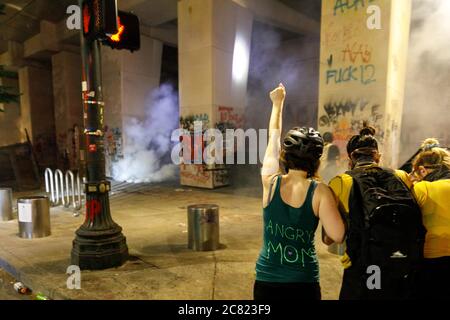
x,y
99,242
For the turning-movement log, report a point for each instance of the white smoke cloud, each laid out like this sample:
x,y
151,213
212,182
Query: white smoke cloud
x,y
427,98
430,31
147,148
269,64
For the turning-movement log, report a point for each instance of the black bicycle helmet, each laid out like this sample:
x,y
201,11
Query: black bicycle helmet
x,y
304,142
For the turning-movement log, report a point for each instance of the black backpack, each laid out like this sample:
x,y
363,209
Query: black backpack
x,y
385,230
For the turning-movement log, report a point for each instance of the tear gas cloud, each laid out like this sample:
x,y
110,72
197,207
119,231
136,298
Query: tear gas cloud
x,y
427,97
148,146
280,56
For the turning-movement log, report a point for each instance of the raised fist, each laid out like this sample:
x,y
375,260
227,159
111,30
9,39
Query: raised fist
x,y
279,94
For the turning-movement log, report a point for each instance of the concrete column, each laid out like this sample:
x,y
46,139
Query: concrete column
x,y
13,57
37,112
362,72
68,107
214,52
10,117
128,81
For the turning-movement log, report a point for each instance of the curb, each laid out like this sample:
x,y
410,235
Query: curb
x,y
35,286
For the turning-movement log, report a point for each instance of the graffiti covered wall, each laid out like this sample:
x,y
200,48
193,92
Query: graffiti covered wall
x,y
361,69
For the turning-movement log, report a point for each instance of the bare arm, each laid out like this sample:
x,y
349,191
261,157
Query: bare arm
x,y
328,213
271,166
325,239
271,157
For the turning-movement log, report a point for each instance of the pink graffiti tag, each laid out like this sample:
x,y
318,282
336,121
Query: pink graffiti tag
x,y
228,114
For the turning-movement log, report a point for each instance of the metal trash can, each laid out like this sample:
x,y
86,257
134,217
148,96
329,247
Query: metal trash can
x,y
34,217
6,213
203,227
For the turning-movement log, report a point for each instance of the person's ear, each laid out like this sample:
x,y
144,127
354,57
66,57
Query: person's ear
x,y
350,164
378,157
423,171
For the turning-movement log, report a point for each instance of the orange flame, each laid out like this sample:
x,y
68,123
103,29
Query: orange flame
x,y
116,37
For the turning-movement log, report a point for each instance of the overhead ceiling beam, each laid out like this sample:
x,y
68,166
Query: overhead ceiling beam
x,y
278,14
129,5
166,35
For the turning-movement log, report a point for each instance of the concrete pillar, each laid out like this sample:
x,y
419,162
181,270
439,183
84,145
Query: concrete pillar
x,y
10,117
37,112
43,44
128,81
13,57
362,72
66,69
214,52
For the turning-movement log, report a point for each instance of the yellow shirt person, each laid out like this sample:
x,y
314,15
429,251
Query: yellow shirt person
x,y
433,199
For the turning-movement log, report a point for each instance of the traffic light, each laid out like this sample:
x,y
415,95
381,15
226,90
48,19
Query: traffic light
x,y
128,36
99,18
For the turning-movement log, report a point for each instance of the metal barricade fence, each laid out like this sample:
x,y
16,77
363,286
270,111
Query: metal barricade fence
x,y
62,189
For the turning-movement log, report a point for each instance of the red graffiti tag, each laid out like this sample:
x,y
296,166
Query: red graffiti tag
x,y
93,208
229,114
357,51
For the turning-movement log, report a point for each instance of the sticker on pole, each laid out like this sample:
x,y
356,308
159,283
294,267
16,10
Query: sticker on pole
x,y
24,212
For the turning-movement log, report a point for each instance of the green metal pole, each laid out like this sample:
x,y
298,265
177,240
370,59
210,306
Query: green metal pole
x,y
99,242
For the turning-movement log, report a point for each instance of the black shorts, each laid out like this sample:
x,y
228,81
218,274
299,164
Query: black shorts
x,y
286,291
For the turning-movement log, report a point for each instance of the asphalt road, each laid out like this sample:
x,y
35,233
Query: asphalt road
x,y
7,291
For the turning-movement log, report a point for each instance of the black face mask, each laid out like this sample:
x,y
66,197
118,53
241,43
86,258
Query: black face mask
x,y
441,173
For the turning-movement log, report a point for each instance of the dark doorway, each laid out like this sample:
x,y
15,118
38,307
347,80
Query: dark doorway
x,y
169,66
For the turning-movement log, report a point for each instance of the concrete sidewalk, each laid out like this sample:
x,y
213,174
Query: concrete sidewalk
x,y
154,221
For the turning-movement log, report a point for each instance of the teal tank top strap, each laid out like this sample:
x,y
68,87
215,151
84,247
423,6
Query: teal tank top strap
x,y
275,181
278,186
310,195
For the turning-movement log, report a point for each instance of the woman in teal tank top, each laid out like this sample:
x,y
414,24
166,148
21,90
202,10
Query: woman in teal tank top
x,y
287,267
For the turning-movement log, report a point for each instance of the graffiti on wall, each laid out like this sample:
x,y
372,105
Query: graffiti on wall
x,y
353,56
221,178
193,170
350,108
68,144
113,143
194,174
337,33
187,122
346,118
342,6
356,58
232,116
350,97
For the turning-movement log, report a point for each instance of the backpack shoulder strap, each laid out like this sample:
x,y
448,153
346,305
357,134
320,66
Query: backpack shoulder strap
x,y
356,219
